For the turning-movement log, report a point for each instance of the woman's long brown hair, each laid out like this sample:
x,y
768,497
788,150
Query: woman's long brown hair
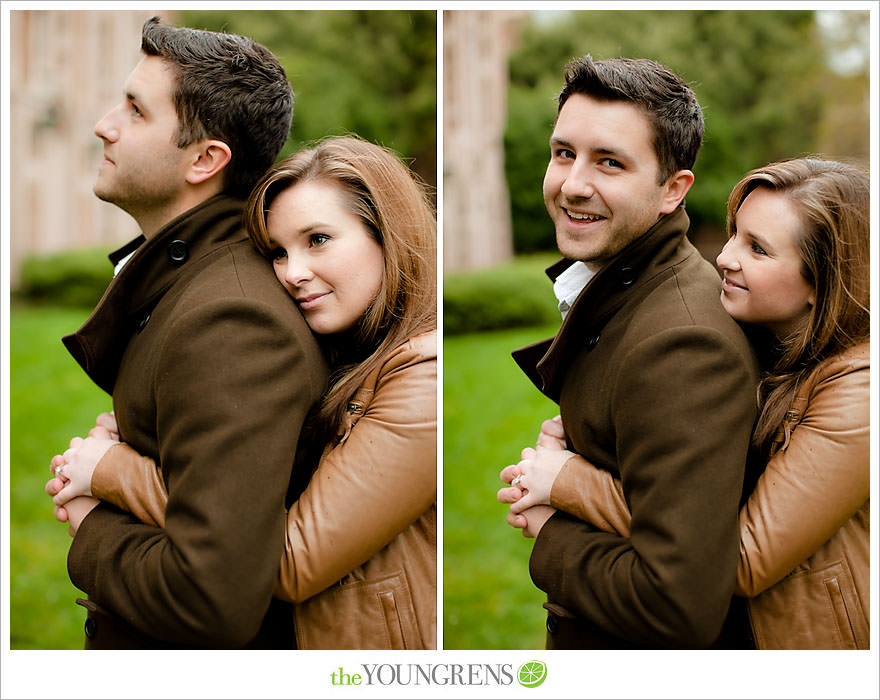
x,y
834,201
394,206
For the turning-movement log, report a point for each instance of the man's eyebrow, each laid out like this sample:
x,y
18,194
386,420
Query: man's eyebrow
x,y
132,95
556,141
616,152
600,150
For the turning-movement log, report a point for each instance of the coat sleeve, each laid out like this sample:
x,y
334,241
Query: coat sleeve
x,y
234,381
812,487
682,408
371,486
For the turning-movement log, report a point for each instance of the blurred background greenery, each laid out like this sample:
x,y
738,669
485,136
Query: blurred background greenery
x,y
773,85
367,72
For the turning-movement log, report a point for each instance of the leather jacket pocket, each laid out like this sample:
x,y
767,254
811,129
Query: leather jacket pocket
x,y
363,614
811,609
840,612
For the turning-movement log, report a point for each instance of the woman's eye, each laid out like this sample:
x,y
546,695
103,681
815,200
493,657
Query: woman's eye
x,y
758,249
279,254
317,239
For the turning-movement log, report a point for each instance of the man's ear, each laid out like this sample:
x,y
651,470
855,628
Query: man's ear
x,y
675,188
209,159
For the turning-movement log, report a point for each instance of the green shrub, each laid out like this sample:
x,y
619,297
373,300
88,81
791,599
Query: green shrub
x,y
513,295
72,278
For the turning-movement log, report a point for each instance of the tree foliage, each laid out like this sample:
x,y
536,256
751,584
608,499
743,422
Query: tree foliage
x,y
369,72
760,76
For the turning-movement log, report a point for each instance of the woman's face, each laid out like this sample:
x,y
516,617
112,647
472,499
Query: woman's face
x,y
324,255
762,265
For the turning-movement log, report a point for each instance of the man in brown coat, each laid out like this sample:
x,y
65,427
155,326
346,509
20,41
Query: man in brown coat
x,y
655,382
211,367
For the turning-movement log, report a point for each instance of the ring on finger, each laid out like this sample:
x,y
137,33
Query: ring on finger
x,y
59,470
516,480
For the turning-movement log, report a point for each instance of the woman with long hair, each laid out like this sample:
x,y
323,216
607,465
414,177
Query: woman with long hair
x,y
352,237
796,274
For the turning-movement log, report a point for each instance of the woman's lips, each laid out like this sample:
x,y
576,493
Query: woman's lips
x,y
309,301
729,286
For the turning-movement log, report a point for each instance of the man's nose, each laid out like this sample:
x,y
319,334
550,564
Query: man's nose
x,y
107,128
578,182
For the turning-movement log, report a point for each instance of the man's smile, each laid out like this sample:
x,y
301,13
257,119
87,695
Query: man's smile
x,y
582,216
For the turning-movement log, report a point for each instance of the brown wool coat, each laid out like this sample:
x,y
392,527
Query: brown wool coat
x,y
656,385
360,556
212,371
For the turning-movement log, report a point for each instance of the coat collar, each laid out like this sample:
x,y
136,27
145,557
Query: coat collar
x,y
627,277
156,264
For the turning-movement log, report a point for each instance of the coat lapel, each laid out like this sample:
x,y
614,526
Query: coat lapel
x,y
99,344
630,275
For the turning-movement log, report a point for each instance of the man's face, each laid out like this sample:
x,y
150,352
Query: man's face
x,y
601,183
143,171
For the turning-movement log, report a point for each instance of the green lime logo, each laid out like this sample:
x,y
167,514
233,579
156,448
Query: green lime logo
x,y
532,673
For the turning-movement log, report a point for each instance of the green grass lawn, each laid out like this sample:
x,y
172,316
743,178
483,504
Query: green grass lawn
x,y
490,412
50,401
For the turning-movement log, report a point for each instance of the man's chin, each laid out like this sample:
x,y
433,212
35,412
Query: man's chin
x,y
103,194
574,250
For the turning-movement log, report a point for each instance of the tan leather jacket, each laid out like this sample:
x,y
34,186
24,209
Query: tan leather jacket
x,y
361,552
360,558
804,530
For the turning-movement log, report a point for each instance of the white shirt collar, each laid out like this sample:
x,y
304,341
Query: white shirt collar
x,y
122,262
569,285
